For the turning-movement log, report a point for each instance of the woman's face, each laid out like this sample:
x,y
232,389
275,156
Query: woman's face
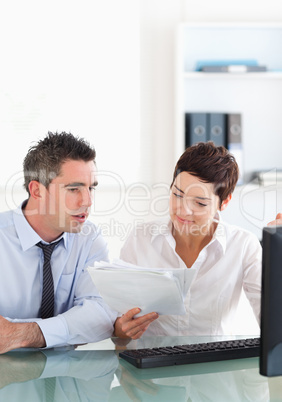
x,y
193,205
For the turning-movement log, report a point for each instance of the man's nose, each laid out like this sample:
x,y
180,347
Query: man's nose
x,y
87,198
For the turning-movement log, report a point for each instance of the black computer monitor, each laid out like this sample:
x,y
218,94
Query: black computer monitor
x,y
271,302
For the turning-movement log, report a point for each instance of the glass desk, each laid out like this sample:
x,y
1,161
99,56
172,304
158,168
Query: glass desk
x,y
93,372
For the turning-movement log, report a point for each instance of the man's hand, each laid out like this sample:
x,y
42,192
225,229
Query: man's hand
x,y
277,221
15,335
129,327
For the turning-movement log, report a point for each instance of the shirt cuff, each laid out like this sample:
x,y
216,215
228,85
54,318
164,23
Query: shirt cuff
x,y
55,331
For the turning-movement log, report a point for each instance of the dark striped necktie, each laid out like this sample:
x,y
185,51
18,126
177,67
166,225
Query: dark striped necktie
x,y
47,304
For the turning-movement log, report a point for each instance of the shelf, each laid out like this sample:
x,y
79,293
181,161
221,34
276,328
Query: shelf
x,y
232,25
257,96
269,75
235,41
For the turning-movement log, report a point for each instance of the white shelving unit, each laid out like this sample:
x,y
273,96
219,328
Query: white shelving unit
x,y
257,96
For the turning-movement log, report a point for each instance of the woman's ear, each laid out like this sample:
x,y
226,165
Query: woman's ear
x,y
225,202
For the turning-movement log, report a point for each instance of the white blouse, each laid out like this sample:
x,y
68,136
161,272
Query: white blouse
x,y
229,263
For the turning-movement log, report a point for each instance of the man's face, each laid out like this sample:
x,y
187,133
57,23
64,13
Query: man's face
x,y
67,201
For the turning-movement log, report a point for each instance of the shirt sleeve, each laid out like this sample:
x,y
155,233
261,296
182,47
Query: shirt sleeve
x,y
252,274
90,319
90,322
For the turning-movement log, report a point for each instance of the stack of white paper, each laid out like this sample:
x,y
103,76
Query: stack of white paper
x,y
124,286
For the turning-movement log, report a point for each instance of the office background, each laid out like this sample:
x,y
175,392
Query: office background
x,y
106,71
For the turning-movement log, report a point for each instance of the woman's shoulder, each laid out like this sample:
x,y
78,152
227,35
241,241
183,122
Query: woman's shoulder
x,y
237,233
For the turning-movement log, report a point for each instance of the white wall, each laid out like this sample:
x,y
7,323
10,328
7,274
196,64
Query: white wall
x,y
228,10
69,66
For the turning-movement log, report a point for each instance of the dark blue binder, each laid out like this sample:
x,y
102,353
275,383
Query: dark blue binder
x,y
217,128
196,128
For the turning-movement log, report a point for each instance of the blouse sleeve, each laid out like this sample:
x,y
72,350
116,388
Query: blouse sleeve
x,y
252,265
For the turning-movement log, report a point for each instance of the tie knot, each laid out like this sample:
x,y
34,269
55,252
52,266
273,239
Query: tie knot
x,y
48,248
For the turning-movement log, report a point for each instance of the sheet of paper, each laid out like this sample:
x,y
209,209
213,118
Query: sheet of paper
x,y
124,286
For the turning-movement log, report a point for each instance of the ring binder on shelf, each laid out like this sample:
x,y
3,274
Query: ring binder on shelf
x,y
222,128
234,140
195,128
217,128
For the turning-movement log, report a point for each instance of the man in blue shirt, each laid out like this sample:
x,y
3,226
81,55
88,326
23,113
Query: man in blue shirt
x,y
60,179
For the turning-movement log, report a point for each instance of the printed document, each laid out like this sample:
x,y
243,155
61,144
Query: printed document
x,y
124,286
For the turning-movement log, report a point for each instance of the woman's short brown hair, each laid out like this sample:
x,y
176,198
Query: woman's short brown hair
x,y
211,164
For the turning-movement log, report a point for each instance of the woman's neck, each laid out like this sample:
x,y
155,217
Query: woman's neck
x,y
189,246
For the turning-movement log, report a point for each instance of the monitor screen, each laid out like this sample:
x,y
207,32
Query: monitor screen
x,y
271,302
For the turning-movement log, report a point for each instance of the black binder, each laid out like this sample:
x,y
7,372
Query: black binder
x,y
195,128
217,128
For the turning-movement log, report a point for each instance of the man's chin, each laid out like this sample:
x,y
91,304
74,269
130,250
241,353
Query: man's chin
x,y
75,227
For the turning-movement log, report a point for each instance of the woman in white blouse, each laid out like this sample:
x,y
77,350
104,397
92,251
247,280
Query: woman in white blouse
x,y
226,258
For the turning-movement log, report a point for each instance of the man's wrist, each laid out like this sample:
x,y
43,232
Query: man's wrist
x,y
20,335
35,337
29,335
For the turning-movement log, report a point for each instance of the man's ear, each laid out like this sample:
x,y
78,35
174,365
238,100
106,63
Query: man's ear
x,y
35,189
225,202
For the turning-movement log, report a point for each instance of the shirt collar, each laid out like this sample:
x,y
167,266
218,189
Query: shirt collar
x,y
220,232
27,235
165,229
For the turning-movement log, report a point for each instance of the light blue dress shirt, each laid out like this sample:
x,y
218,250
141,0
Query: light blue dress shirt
x,y
81,315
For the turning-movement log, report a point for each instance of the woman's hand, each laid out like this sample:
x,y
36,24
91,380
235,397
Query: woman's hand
x,y
277,221
128,326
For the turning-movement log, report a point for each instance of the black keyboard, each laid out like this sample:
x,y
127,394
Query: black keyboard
x,y
193,353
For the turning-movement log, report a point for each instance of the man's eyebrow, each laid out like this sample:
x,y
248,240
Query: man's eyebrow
x,y
80,184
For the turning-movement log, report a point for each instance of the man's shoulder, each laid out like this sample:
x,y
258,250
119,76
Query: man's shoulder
x,y
6,219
